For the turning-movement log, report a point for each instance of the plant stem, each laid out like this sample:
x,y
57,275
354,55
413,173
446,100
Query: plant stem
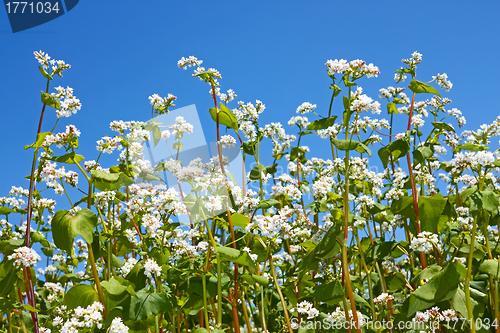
x,y
29,211
89,246
468,277
219,290
231,226
413,186
370,292
345,264
205,308
278,289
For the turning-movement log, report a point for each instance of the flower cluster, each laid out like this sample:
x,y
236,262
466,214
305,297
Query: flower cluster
x,y
425,242
69,104
355,67
24,256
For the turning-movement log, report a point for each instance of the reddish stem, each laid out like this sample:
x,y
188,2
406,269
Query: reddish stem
x,y
414,187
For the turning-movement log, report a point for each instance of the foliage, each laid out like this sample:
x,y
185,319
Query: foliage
x,y
332,242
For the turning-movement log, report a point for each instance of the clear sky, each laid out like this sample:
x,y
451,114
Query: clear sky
x,y
123,51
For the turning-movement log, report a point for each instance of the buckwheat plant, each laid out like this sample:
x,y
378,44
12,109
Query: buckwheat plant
x,y
313,238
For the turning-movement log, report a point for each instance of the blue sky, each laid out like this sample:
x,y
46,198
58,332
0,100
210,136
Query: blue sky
x,y
123,51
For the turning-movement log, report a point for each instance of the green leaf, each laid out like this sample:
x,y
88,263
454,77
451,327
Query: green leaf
x,y
40,139
486,199
37,237
65,227
256,172
419,87
395,282
422,153
110,181
81,295
70,158
235,255
322,123
443,126
266,204
439,287
29,308
459,304
384,154
114,286
346,145
7,247
226,117
44,73
6,210
240,220
50,101
326,248
470,147
253,279
156,134
430,209
146,304
248,147
328,291
490,267
391,108
8,282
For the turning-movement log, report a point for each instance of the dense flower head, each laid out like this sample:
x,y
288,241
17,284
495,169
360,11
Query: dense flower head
x,y
355,67
416,58
58,66
24,256
151,268
68,102
161,104
364,103
228,97
188,62
306,107
383,298
117,326
442,80
425,242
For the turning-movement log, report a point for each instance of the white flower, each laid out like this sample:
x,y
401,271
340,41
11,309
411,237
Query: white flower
x,y
151,268
214,203
188,62
227,141
383,299
24,256
117,326
306,107
128,265
307,308
302,122
442,80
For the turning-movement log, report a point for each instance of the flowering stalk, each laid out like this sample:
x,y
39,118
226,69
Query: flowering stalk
x,y
30,288
89,246
229,218
345,263
413,186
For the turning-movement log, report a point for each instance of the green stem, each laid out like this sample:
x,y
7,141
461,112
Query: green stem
x,y
205,307
278,289
468,277
219,290
345,263
370,291
263,313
